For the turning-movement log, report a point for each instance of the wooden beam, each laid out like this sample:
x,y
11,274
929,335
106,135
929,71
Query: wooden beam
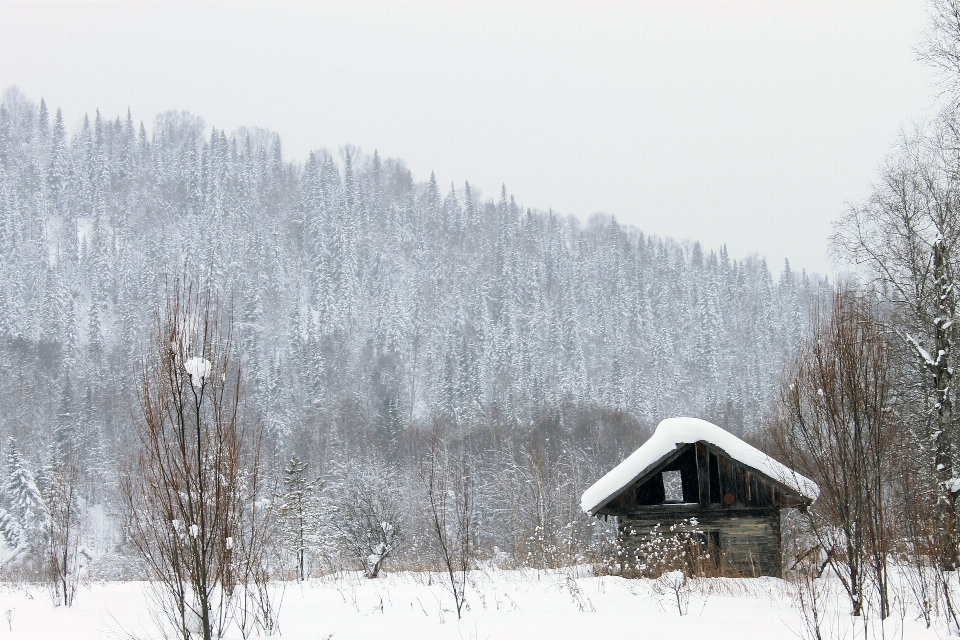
x,y
703,473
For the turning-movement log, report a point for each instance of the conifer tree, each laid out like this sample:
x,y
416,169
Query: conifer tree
x,y
369,303
26,518
299,512
58,176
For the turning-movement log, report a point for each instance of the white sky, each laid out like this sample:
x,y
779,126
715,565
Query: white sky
x,y
745,123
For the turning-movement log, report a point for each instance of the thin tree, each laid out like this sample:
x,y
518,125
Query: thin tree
x,y
195,479
835,425
298,511
64,527
448,482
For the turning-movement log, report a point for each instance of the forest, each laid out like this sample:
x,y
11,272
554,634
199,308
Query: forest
x,y
221,368
368,309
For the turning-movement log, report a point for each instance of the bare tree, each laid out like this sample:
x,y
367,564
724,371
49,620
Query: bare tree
x,y
834,424
193,490
906,240
448,481
64,527
810,593
369,521
919,538
940,47
906,236
258,529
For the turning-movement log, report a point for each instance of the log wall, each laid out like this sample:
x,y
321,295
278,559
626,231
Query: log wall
x,y
736,506
749,539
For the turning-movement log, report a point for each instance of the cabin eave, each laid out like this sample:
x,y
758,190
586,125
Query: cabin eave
x,y
712,480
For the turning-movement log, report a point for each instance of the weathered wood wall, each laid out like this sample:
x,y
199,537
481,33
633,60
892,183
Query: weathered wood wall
x,y
735,506
749,539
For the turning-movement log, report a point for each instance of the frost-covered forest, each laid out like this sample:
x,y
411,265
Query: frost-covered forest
x,y
225,372
368,303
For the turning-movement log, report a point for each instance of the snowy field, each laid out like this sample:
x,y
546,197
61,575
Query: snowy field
x,y
502,604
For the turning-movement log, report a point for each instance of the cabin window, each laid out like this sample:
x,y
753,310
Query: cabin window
x,y
676,483
672,486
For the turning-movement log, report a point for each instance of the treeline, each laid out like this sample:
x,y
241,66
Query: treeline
x,y
368,309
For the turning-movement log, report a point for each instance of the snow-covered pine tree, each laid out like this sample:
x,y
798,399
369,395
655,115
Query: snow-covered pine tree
x,y
43,122
25,522
299,512
396,291
60,182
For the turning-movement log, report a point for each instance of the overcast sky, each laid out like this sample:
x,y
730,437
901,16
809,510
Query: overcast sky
x,y
745,123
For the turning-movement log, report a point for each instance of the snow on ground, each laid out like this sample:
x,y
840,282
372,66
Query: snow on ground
x,y
502,604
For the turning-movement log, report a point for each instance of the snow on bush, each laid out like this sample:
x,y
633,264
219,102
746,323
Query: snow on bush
x,y
198,369
682,547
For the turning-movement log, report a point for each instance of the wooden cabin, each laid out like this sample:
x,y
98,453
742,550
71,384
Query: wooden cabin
x,y
691,468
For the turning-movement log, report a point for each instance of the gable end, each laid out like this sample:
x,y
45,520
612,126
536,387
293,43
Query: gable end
x,y
711,479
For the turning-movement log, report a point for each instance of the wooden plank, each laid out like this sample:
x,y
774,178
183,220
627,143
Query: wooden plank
x,y
709,517
716,496
703,473
749,539
728,480
686,464
789,496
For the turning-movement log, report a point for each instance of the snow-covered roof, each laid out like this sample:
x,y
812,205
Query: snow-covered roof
x,y
676,432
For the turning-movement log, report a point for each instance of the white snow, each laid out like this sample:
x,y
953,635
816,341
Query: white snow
x,y
198,369
501,605
676,432
924,354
